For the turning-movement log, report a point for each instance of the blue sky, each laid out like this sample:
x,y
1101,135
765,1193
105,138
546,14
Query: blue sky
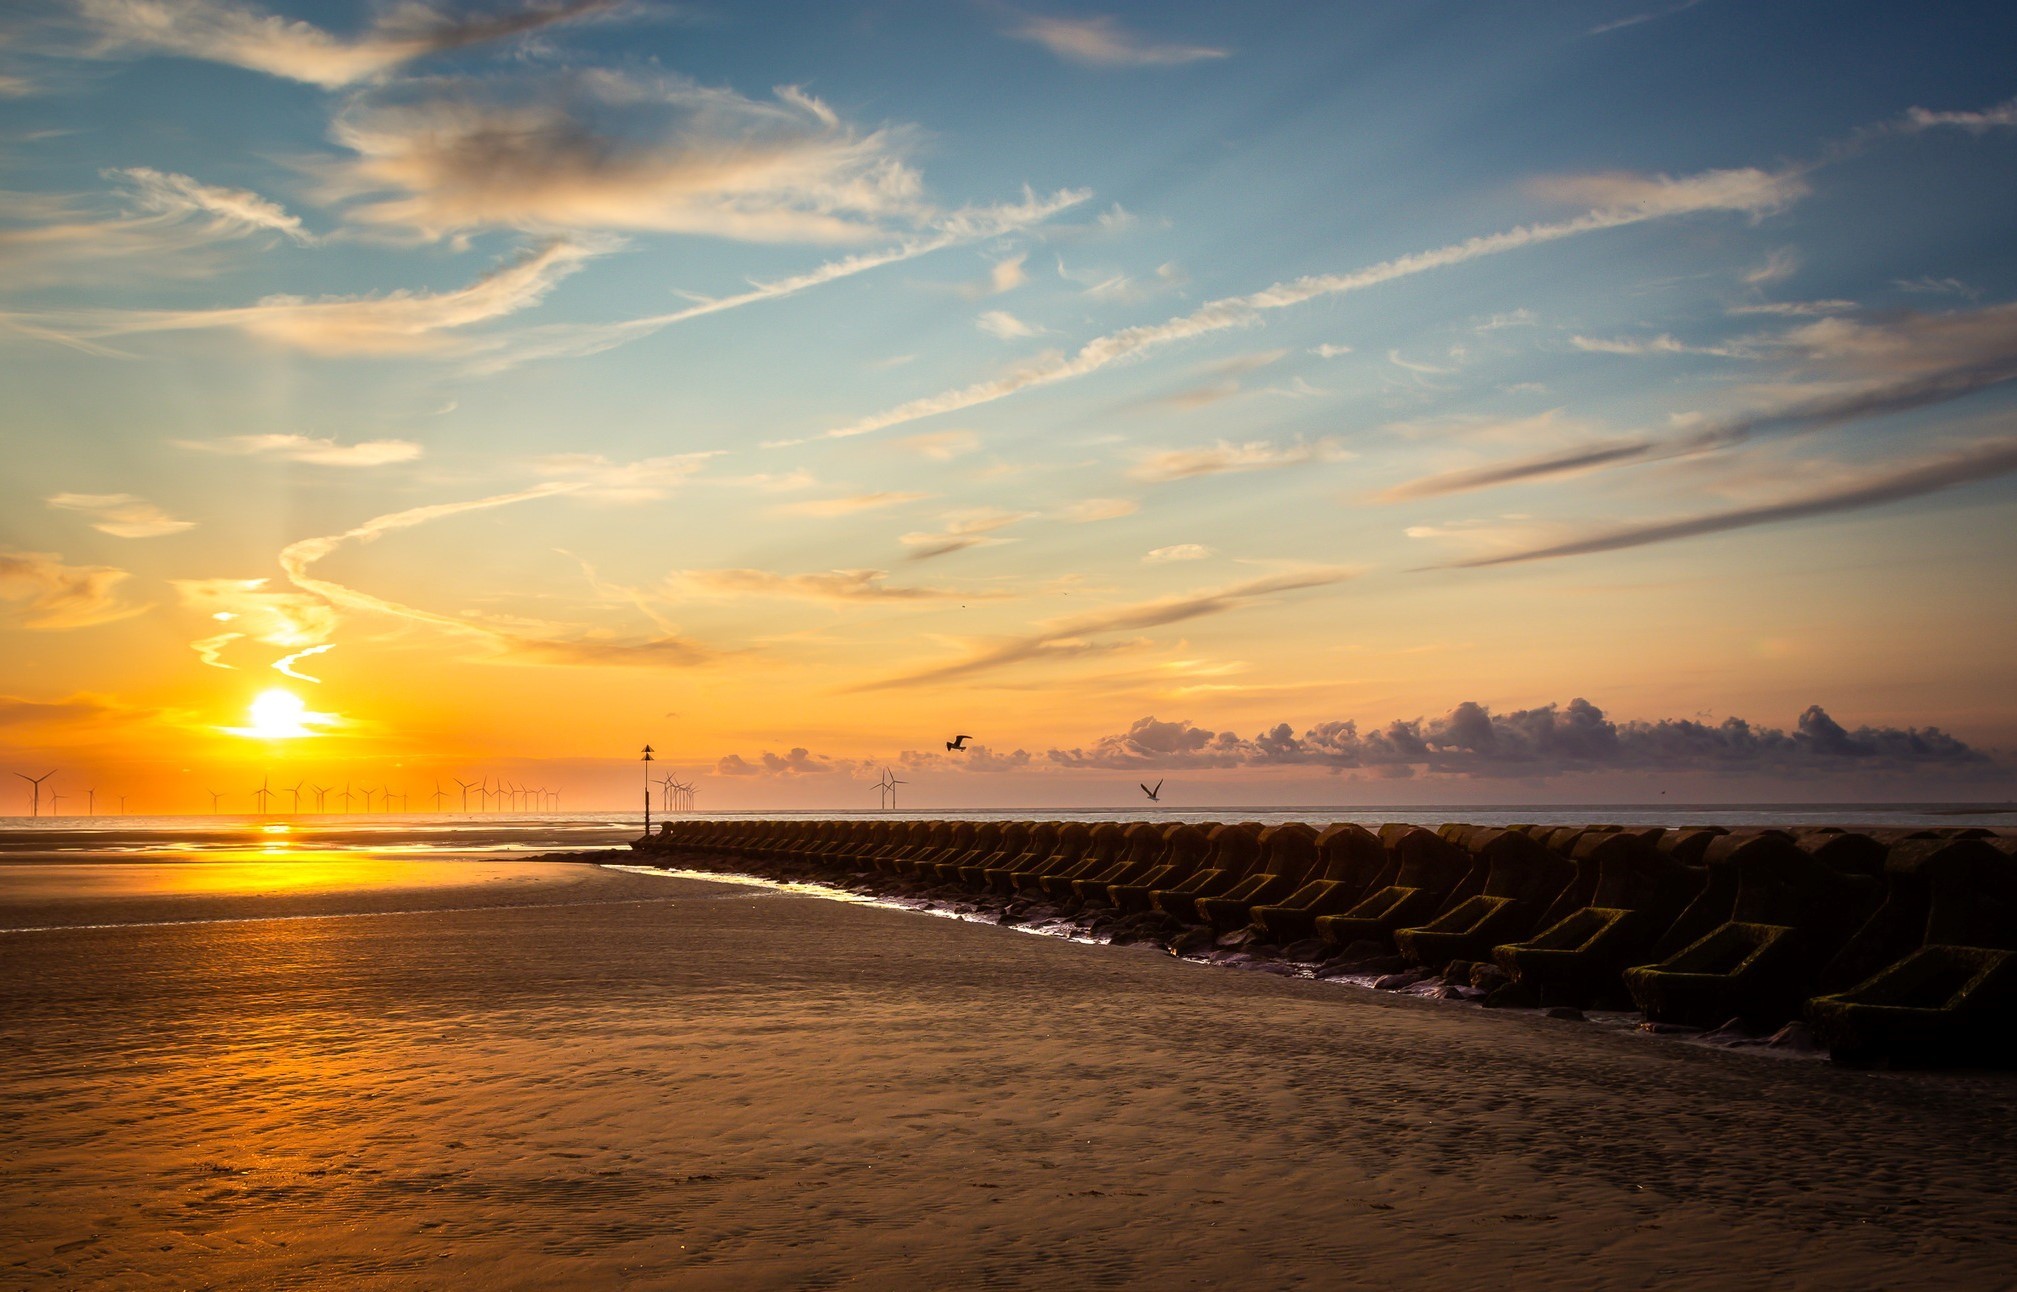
x,y
830,374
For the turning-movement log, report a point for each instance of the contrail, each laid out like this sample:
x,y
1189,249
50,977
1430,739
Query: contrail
x,y
1747,190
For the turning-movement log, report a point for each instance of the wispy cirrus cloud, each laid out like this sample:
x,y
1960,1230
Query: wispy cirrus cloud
x,y
1087,511
1005,326
1176,552
71,715
1795,309
244,35
642,480
150,221
395,323
1928,285
1076,635
565,153
1546,466
961,530
1620,200
509,644
821,585
250,610
55,596
223,210
1877,487
850,505
1664,343
1225,457
121,514
313,450
1834,372
1645,16
954,228
1101,41
941,446
2002,116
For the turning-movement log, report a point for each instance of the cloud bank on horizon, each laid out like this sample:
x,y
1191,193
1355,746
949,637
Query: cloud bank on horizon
x,y
508,358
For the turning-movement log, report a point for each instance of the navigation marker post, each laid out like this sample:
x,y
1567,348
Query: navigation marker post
x,y
647,791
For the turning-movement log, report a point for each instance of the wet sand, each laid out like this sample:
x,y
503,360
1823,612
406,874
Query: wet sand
x,y
544,1075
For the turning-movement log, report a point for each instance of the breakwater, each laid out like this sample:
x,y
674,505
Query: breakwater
x,y
1895,946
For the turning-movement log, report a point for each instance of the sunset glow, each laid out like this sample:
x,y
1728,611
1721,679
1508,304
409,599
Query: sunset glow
x,y
1056,381
279,715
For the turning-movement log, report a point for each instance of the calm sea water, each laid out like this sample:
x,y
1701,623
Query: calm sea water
x,y
427,835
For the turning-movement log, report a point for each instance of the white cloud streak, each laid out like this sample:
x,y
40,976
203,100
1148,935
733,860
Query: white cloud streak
x,y
298,559
826,585
1225,457
397,323
1076,635
851,505
244,35
312,450
121,514
964,226
1622,200
606,150
1101,41
58,596
1876,488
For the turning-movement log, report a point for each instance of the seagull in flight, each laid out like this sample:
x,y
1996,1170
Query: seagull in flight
x,y
1156,794
958,742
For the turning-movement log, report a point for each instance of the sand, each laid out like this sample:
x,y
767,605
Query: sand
x,y
558,1075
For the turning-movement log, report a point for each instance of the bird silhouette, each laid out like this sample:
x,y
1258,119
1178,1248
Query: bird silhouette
x,y
958,742
1156,794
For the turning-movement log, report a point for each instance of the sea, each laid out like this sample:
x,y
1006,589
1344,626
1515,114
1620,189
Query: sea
x,y
78,838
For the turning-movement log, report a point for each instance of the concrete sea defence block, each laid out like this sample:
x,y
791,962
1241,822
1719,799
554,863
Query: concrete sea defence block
x,y
1896,946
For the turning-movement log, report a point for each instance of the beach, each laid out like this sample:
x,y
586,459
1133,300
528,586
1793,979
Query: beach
x,y
538,1074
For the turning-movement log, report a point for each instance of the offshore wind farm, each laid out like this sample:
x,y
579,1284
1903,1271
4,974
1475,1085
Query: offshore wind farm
x,y
1015,645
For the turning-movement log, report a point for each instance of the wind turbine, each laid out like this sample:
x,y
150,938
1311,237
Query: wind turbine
x,y
296,792
90,802
122,805
438,795
35,792
320,793
346,796
56,803
216,797
262,796
367,791
465,792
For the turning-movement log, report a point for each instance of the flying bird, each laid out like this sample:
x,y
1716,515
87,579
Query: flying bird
x,y
1156,794
958,742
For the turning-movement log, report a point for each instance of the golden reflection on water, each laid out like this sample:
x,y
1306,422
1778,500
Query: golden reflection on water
x,y
270,870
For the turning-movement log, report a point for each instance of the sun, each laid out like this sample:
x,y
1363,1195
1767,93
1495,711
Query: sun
x,y
280,715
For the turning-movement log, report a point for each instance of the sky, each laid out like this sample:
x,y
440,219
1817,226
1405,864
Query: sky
x,y
1310,404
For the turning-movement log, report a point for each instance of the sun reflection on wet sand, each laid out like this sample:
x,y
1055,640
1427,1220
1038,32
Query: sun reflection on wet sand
x,y
277,869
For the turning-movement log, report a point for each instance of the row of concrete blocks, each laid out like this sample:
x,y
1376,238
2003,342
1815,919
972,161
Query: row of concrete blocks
x,y
1895,946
